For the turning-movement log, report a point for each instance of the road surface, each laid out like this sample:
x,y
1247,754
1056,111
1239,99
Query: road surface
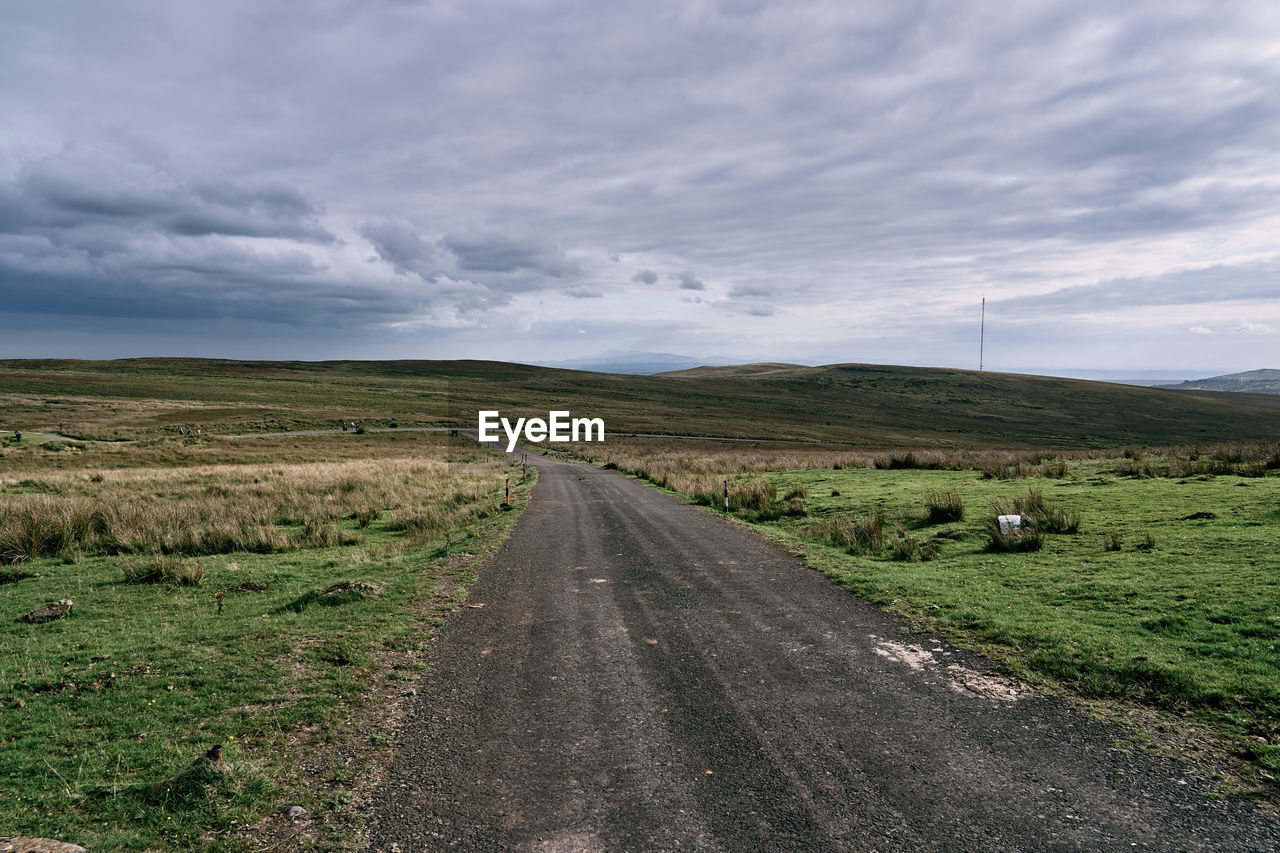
x,y
644,676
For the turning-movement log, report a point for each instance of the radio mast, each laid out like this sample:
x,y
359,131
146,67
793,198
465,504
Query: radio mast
x,y
982,331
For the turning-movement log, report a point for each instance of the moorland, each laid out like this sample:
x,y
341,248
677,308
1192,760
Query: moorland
x,y
272,596
276,594
865,405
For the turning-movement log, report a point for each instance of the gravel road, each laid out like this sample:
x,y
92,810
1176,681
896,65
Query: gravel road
x,y
634,674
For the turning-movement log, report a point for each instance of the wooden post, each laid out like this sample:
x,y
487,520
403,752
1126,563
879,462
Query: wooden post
x,y
726,495
508,491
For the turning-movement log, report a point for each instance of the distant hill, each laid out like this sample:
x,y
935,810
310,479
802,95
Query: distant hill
x,y
636,363
903,405
1150,378
734,370
864,404
1251,381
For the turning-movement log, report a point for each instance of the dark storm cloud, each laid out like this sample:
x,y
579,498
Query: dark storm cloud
x,y
405,248
72,191
444,166
475,272
502,253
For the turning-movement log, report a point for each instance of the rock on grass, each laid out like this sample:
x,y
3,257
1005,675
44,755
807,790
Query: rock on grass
x,y
47,613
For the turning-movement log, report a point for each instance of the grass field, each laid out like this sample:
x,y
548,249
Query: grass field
x,y
1166,594
196,565
866,405
197,572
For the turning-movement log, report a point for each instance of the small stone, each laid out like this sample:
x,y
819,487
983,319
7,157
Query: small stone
x,y
24,844
47,613
359,587
293,812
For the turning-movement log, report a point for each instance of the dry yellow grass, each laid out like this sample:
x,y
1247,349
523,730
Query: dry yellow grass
x,y
215,509
699,469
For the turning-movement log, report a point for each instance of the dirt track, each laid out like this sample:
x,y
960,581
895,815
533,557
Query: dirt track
x,y
645,676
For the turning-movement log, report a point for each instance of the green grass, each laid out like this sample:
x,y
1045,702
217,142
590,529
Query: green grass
x,y
1184,618
143,677
1191,624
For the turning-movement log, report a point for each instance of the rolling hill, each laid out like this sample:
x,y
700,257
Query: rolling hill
x,y
1251,381
640,363
869,405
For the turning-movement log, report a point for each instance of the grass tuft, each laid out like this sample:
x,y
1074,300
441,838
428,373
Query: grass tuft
x,y
794,491
1046,517
757,495
855,534
944,506
907,549
162,568
1015,541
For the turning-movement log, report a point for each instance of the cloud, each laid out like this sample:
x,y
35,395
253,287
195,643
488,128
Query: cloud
x,y
1216,283
402,245
1248,328
1200,330
741,291
688,281
480,271
486,252
843,160
85,198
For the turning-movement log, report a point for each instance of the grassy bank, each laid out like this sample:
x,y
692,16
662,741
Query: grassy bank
x,y
201,617
1153,579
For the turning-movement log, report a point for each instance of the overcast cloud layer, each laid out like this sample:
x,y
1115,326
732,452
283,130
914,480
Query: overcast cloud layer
x,y
827,181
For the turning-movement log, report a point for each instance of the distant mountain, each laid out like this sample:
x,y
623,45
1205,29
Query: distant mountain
x,y
1252,381
636,363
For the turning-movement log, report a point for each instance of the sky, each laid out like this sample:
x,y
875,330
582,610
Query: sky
x,y
535,181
